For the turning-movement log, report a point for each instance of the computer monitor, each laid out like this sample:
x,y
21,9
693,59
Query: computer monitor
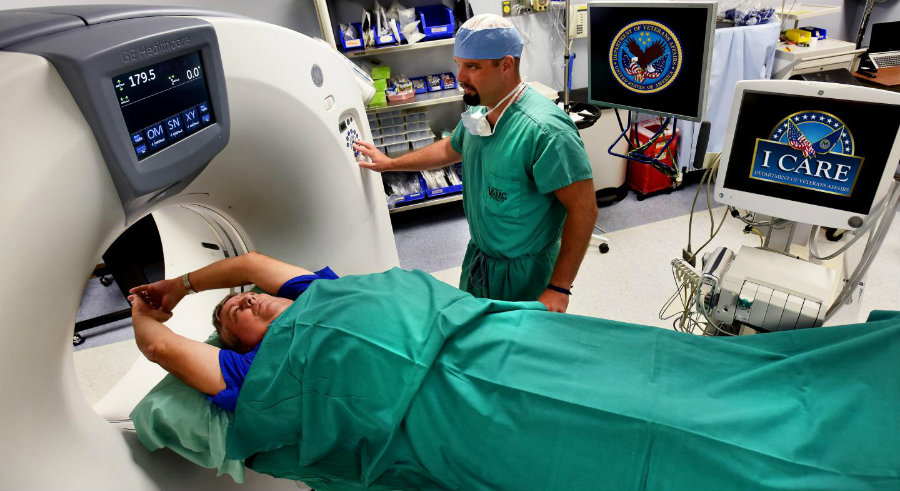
x,y
884,37
652,57
810,152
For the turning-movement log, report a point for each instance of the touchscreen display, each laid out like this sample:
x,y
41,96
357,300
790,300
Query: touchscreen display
x,y
164,103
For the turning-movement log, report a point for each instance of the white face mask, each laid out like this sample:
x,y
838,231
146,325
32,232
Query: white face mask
x,y
476,121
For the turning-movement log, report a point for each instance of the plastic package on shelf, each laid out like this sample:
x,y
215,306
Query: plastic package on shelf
x,y
416,116
418,135
393,139
421,142
390,120
416,126
749,12
396,148
402,187
388,114
393,130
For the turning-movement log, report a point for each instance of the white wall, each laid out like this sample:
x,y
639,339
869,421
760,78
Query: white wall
x,y
299,15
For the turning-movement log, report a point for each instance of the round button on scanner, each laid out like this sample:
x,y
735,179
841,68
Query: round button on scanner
x,y
855,222
316,74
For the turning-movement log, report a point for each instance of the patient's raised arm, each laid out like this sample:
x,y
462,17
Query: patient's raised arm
x,y
195,363
265,272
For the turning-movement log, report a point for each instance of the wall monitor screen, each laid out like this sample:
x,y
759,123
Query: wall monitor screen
x,y
650,56
164,103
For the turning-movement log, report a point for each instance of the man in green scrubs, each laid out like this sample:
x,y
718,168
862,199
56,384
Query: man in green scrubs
x,y
527,186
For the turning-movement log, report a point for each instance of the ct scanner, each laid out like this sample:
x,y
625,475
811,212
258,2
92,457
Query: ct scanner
x,y
268,170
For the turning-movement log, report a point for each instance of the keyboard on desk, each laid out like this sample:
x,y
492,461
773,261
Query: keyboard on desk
x,y
885,60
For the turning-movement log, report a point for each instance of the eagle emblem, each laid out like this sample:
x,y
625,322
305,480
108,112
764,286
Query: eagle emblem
x,y
645,56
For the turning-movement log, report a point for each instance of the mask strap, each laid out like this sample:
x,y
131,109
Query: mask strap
x,y
507,96
518,93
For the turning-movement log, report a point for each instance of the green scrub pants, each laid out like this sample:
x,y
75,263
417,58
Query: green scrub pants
x,y
523,278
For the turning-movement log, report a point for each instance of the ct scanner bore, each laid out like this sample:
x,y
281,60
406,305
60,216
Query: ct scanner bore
x,y
272,173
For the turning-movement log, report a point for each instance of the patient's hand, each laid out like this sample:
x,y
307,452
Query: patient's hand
x,y
139,306
163,294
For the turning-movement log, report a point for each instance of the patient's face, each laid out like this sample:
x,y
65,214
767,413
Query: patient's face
x,y
247,316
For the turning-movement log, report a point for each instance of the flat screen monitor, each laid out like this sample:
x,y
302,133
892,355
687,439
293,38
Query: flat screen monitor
x,y
652,57
164,103
884,37
811,152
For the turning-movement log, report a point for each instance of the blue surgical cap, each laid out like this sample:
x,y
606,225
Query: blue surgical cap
x,y
487,37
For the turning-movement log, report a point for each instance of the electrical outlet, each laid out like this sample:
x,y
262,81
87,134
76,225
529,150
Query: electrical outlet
x,y
539,5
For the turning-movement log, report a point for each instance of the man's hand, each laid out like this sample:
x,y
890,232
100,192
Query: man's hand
x,y
139,306
554,301
163,294
379,161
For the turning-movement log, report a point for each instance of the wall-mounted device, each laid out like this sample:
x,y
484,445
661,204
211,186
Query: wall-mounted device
x,y
578,21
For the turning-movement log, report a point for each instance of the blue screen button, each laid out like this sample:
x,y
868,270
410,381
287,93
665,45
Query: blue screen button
x,y
137,137
141,150
191,119
156,136
206,118
204,107
174,127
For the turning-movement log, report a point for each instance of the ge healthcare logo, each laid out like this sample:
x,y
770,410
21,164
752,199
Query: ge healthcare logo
x,y
645,56
811,150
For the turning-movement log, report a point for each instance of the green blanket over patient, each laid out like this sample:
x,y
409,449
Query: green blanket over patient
x,y
398,381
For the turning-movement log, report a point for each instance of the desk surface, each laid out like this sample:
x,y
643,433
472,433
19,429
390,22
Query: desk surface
x,y
888,78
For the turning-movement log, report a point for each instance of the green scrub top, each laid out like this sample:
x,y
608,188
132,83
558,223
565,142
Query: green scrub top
x,y
515,219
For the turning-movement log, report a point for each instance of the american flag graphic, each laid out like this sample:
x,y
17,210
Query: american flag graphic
x,y
658,66
635,71
798,141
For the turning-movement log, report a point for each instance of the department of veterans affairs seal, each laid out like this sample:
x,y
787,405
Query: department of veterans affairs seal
x,y
645,56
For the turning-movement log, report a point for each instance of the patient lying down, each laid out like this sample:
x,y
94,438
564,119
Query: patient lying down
x,y
398,381
241,320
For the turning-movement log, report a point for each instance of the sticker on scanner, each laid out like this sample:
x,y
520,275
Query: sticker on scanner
x,y
810,150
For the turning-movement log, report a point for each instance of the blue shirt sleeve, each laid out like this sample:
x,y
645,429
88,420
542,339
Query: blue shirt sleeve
x,y
234,370
235,366
293,287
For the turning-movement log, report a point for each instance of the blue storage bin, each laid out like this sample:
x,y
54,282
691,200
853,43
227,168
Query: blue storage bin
x,y
353,43
444,190
448,81
419,85
420,195
436,21
389,39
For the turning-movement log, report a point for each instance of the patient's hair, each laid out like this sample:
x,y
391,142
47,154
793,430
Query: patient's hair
x,y
226,339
